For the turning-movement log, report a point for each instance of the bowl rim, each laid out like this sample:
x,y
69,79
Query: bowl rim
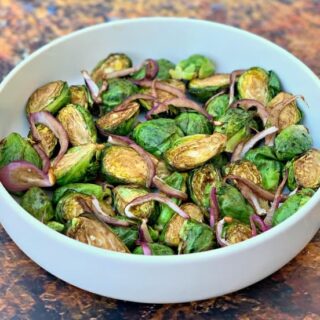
x,y
174,259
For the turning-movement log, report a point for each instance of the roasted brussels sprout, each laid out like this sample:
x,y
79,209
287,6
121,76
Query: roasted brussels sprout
x,y
218,106
220,161
95,233
119,122
193,123
288,116
236,231
124,165
38,204
200,183
196,66
56,226
193,211
114,62
125,194
205,88
118,91
274,84
79,124
192,151
128,236
266,161
245,169
14,147
232,204
157,249
79,163
292,141
80,96
236,126
156,136
50,97
291,205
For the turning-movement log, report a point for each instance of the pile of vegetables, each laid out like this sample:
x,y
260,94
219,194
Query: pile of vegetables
x,y
162,159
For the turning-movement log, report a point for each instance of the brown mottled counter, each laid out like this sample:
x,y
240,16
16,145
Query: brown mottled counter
x,y
28,292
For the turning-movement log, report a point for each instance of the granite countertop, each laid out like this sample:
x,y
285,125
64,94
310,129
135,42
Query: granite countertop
x,y
29,292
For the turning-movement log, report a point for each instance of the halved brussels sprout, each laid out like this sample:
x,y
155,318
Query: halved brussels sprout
x,y
218,106
233,204
157,249
205,88
193,211
79,124
193,123
50,97
119,122
236,231
14,147
124,165
196,66
95,233
291,205
118,91
266,161
196,237
200,183
114,62
237,125
56,226
38,204
156,136
288,116
245,169
81,96
192,151
78,164
292,141
125,194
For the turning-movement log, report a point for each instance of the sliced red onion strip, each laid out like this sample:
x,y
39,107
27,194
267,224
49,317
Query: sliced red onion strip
x,y
132,98
21,175
219,229
255,219
237,151
152,68
168,190
154,88
144,234
47,119
122,73
45,159
95,92
276,201
233,77
259,136
154,197
125,141
248,103
214,207
293,192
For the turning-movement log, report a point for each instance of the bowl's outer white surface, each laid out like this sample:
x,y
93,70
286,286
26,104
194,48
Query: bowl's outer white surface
x,y
157,279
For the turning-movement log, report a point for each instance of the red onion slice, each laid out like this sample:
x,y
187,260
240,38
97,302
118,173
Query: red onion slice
x,y
45,159
122,73
125,141
21,175
95,92
144,232
214,207
259,136
237,152
233,78
169,191
219,229
255,219
152,68
47,119
154,197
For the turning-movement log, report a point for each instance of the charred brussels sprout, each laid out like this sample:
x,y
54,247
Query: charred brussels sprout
x,y
193,211
291,205
193,123
156,136
79,163
119,122
50,97
95,233
292,141
196,66
114,62
200,183
14,147
218,106
289,115
204,89
124,165
232,204
196,237
236,126
38,204
118,91
266,161
236,231
192,151
245,169
80,96
79,124
125,194
157,249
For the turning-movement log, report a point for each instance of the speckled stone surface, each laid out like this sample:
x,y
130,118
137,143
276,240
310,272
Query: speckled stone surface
x,y
28,292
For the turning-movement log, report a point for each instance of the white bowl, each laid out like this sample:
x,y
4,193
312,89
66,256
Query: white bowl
x,y
154,279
